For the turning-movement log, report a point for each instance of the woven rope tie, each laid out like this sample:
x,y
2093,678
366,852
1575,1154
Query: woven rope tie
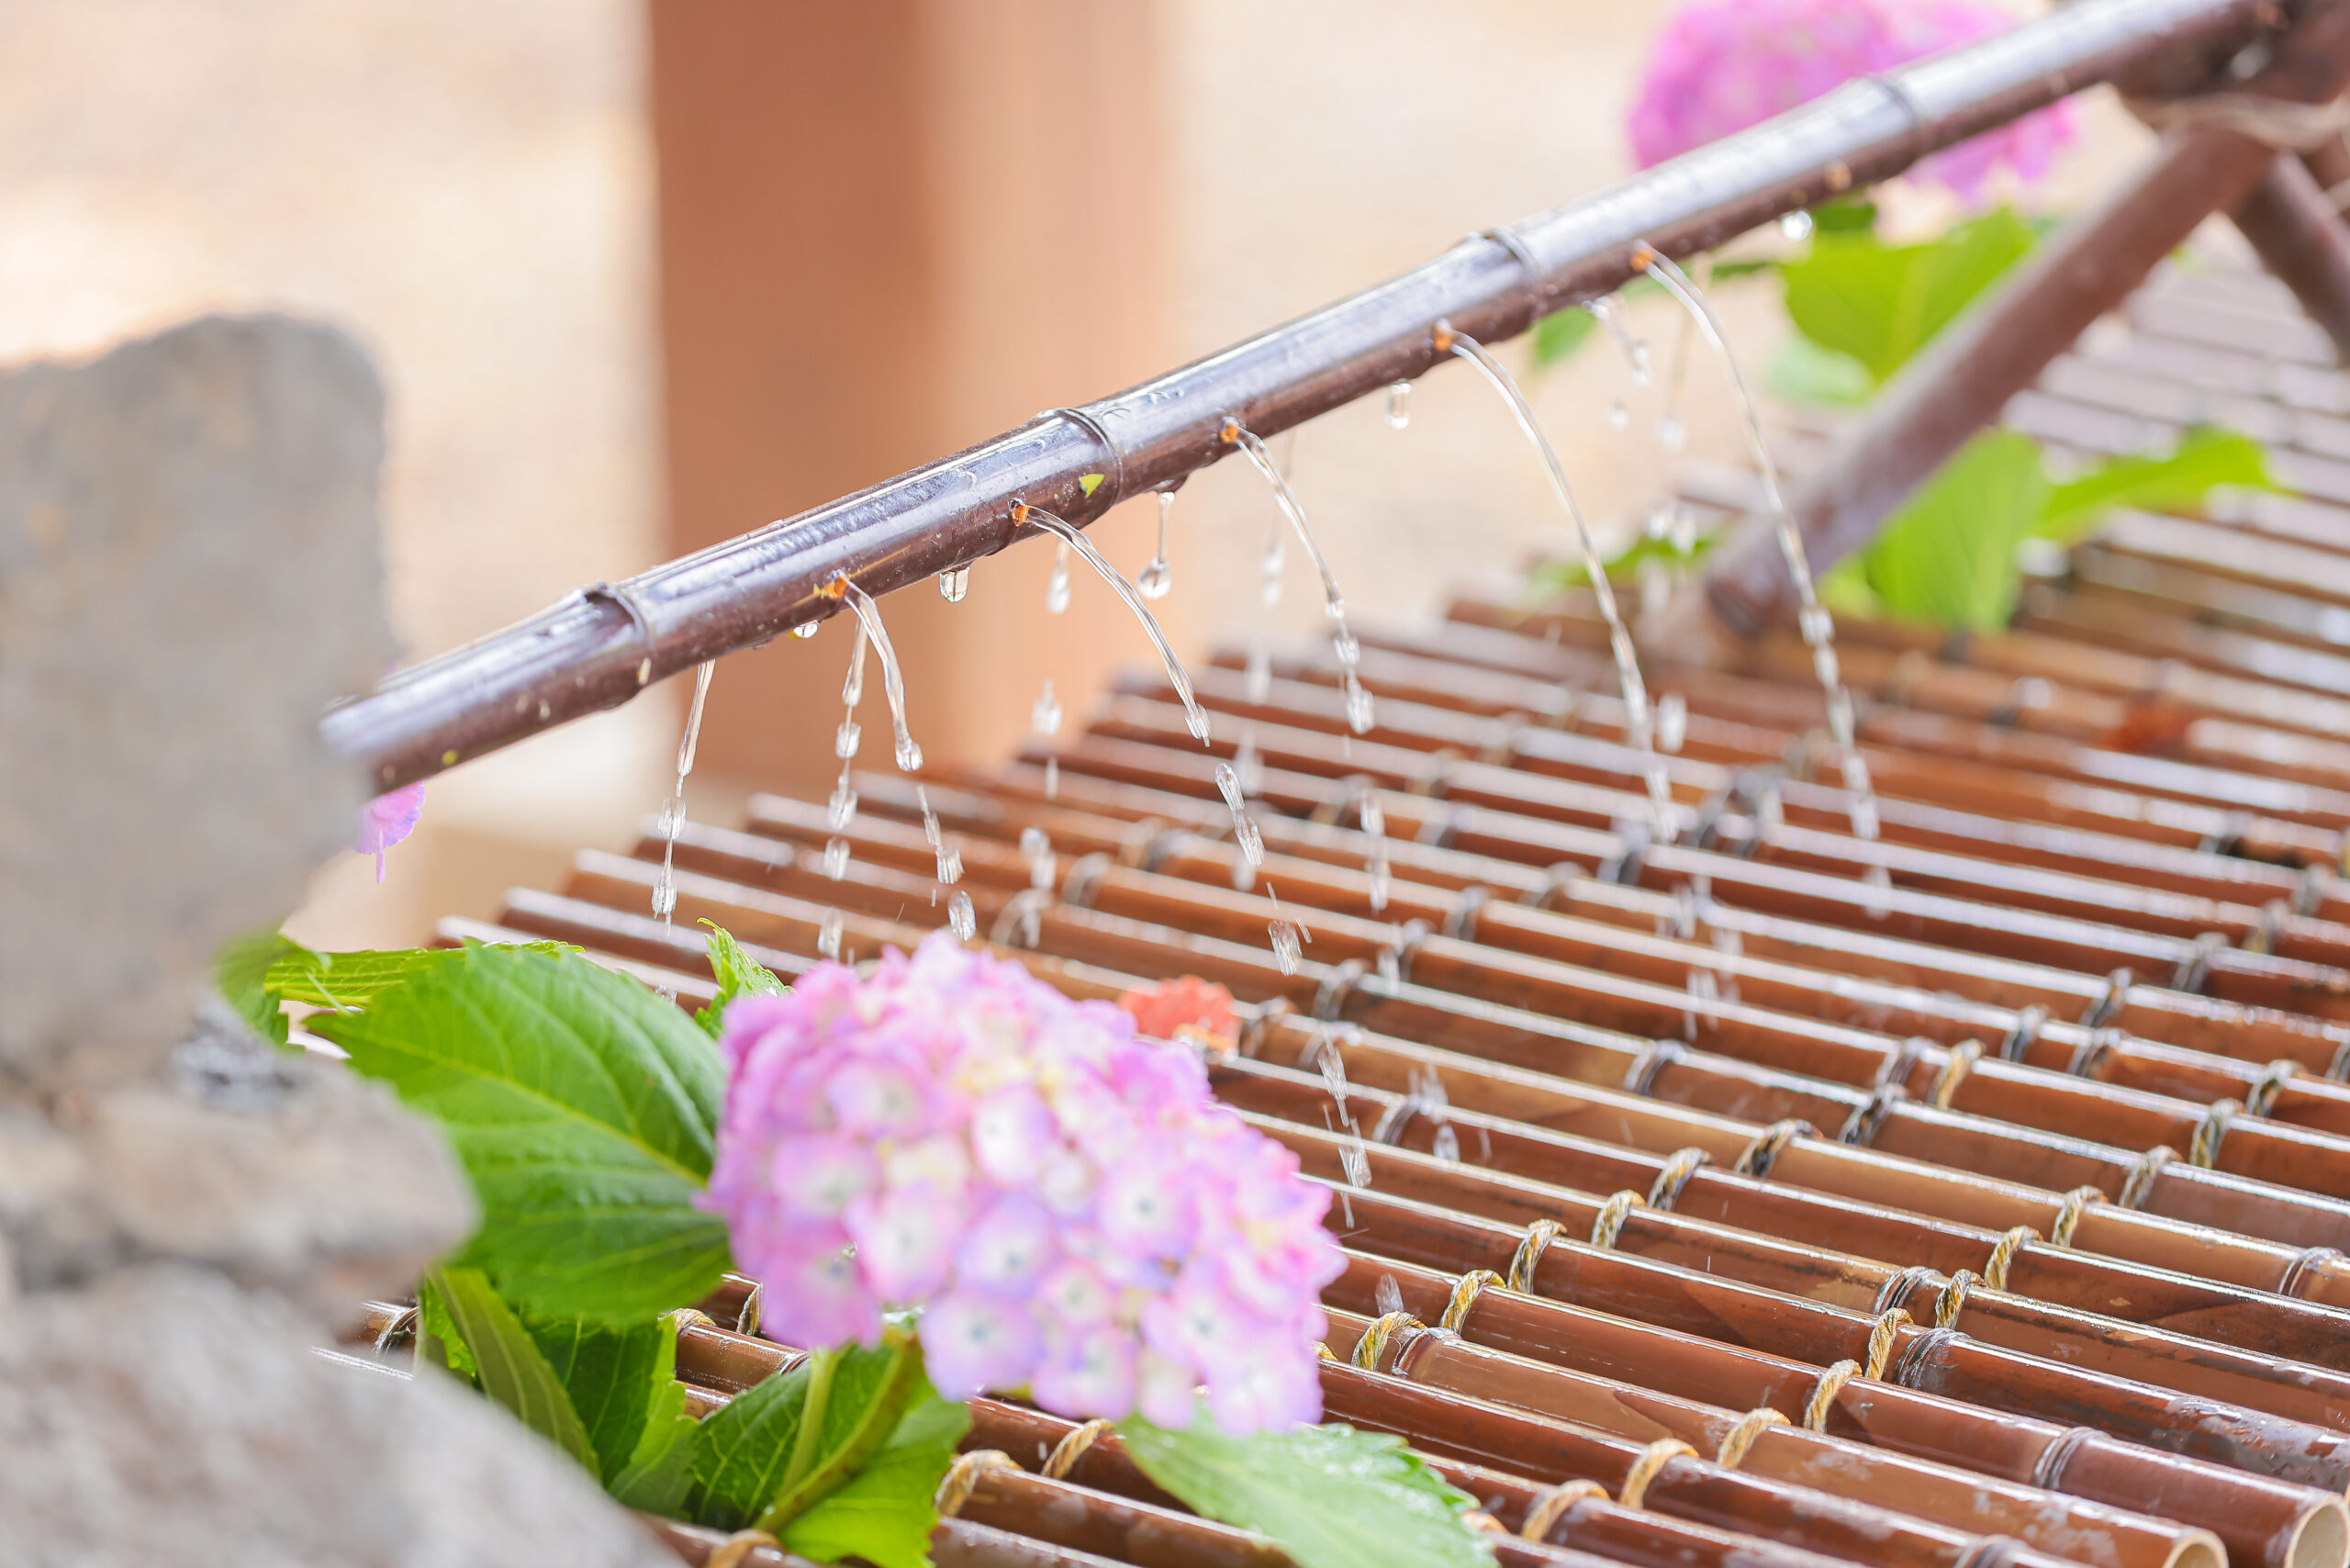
x,y
1465,1292
1742,1433
1072,1447
1529,1256
1882,1332
2261,1098
1653,1457
1758,1157
1612,1215
1947,1305
1960,1063
1550,1505
954,1487
1823,1393
735,1548
2003,1256
2205,1148
2141,1179
1679,1165
2068,1213
1383,1327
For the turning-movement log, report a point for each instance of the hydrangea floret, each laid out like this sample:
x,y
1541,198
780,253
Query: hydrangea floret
x,y
1722,65
387,819
1062,1202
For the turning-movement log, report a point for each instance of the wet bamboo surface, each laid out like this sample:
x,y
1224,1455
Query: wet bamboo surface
x,y
1978,1193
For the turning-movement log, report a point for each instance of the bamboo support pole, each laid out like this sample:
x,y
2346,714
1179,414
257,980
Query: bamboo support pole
x,y
605,643
1958,383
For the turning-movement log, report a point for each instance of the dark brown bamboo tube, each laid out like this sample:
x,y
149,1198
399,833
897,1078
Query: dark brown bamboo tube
x,y
1485,1215
2062,1527
1827,1167
2171,1304
1664,1297
2299,237
1685,1487
1464,970
2259,1517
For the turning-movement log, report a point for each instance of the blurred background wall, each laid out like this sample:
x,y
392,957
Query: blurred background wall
x,y
641,274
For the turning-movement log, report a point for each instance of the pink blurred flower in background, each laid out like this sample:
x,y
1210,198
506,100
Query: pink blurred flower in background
x,y
1722,65
387,819
1066,1203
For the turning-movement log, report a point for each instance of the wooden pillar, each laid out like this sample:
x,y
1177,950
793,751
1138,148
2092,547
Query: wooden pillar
x,y
889,229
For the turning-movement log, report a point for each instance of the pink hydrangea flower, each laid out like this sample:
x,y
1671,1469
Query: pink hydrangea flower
x,y
1065,1202
1722,65
387,819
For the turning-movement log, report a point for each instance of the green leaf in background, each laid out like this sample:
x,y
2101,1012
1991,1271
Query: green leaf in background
x,y
1801,372
738,974
660,1473
611,1375
1330,1496
742,1449
241,972
1855,215
1879,304
583,1107
1562,573
1947,557
779,1448
349,982
2203,460
885,1513
513,1371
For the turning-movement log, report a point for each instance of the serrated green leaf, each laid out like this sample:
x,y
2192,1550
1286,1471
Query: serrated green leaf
x,y
1947,558
855,1398
660,1471
1803,371
512,1371
1880,304
240,973
742,1450
349,982
583,1107
738,974
611,1375
1330,1496
885,1513
2203,461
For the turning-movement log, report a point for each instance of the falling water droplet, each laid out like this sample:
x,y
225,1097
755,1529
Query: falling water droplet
x,y
1361,712
837,858
805,629
1388,1297
1817,625
1057,585
1671,433
1286,951
1660,520
1795,226
845,739
665,899
1045,716
672,817
962,917
1445,1145
1374,827
1618,415
1685,530
1672,721
909,755
1251,839
1259,676
828,934
1248,764
673,810
841,810
1268,569
949,858
1157,576
1037,851
1228,783
954,583
1643,371
1399,405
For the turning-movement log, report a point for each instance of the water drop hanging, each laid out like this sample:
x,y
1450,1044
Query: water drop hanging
x,y
1795,227
1044,715
1157,576
954,583
1399,405
1618,415
805,629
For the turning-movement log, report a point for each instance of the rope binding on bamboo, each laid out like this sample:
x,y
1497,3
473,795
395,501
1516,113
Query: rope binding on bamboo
x,y
1529,1256
1550,1505
1465,1292
1072,1448
1612,1215
1679,1167
1742,1433
956,1487
1653,1457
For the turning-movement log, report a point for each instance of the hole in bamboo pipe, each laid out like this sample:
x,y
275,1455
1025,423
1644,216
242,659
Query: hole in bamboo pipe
x,y
2322,1537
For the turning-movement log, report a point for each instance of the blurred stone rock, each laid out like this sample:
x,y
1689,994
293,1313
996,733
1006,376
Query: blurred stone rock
x,y
165,1418
189,571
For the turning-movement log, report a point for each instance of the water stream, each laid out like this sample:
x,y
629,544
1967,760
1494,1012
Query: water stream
x,y
893,685
673,810
1342,640
1818,626
1194,717
1639,720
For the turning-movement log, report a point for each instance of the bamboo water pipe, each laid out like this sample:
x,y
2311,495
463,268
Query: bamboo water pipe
x,y
607,643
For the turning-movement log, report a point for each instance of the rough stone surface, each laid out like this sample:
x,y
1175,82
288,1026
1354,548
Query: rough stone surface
x,y
189,571
165,1418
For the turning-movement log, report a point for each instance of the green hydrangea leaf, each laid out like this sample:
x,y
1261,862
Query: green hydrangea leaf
x,y
583,1107
346,983
2203,461
738,974
241,972
612,1375
511,1370
438,1341
779,1446
1880,304
1330,1496
884,1513
1947,557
